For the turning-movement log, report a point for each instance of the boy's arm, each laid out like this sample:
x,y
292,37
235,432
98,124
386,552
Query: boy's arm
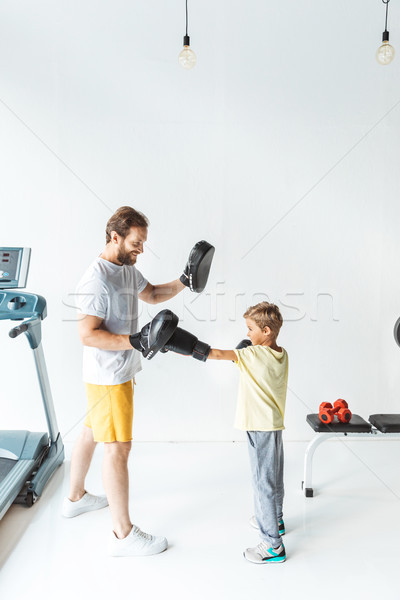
x,y
228,354
222,355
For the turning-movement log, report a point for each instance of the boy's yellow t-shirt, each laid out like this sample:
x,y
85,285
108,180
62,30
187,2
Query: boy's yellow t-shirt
x,y
262,388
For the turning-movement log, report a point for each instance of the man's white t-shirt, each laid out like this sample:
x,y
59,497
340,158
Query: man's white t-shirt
x,y
110,292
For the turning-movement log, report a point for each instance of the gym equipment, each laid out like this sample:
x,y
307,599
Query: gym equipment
x,y
14,267
27,459
376,426
162,334
340,408
197,269
386,424
396,332
154,335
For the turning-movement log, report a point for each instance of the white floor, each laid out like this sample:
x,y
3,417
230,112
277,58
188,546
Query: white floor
x,y
343,543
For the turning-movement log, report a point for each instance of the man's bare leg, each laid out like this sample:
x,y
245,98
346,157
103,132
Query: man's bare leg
x,y
116,485
80,462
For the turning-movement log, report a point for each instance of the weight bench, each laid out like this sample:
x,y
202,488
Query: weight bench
x,y
379,424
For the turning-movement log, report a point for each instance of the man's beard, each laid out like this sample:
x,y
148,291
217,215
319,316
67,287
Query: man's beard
x,y
126,258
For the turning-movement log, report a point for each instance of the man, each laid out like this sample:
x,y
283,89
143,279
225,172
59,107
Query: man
x,y
108,302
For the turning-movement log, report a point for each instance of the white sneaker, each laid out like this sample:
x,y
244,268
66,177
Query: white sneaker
x,y
264,553
87,503
136,543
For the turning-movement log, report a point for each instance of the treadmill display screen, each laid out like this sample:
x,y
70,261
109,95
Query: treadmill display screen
x,y
14,264
9,264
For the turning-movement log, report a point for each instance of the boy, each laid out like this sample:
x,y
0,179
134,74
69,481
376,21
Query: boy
x,y
260,411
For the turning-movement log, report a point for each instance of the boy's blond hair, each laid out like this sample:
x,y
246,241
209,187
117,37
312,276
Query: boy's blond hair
x,y
264,315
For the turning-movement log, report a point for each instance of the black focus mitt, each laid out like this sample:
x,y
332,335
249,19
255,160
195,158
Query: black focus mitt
x,y
396,332
197,269
154,335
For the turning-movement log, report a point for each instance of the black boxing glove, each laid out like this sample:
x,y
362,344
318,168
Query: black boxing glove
x,y
153,336
243,344
184,342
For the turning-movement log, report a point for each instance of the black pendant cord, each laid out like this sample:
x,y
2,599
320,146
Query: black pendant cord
x,y
187,58
187,16
385,52
384,2
186,38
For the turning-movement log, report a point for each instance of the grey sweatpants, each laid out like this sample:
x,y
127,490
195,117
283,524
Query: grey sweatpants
x,y
266,460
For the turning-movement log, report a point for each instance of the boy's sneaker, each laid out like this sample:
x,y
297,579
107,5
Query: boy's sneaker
x,y
136,543
264,553
281,525
87,503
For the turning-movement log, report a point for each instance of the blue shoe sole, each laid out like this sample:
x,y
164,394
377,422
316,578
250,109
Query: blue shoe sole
x,y
274,559
277,559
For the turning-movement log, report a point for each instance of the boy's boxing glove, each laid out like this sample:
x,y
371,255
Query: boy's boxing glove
x,y
243,344
183,342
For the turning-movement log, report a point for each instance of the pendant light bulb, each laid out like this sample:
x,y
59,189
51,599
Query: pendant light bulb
x,y
385,52
187,58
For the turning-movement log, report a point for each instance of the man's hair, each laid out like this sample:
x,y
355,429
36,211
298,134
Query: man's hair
x,y
264,315
123,219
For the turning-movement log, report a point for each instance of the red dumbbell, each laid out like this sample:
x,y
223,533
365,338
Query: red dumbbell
x,y
340,409
325,412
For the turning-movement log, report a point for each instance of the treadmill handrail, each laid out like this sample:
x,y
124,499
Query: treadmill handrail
x,y
32,328
45,389
16,331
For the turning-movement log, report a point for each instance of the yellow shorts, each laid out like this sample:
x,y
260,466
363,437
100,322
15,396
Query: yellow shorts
x,y
110,411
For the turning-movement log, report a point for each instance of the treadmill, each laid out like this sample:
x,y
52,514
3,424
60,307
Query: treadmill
x,y
27,459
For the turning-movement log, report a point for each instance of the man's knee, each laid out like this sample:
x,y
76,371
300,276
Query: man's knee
x,y
118,449
87,432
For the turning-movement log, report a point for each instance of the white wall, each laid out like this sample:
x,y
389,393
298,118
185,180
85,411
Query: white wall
x,y
281,147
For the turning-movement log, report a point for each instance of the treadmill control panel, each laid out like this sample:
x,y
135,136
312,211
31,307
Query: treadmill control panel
x,y
16,307
14,267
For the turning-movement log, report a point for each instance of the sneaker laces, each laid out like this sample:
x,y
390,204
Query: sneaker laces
x,y
142,534
263,548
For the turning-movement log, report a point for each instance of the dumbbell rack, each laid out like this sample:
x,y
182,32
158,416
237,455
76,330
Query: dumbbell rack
x,y
386,425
